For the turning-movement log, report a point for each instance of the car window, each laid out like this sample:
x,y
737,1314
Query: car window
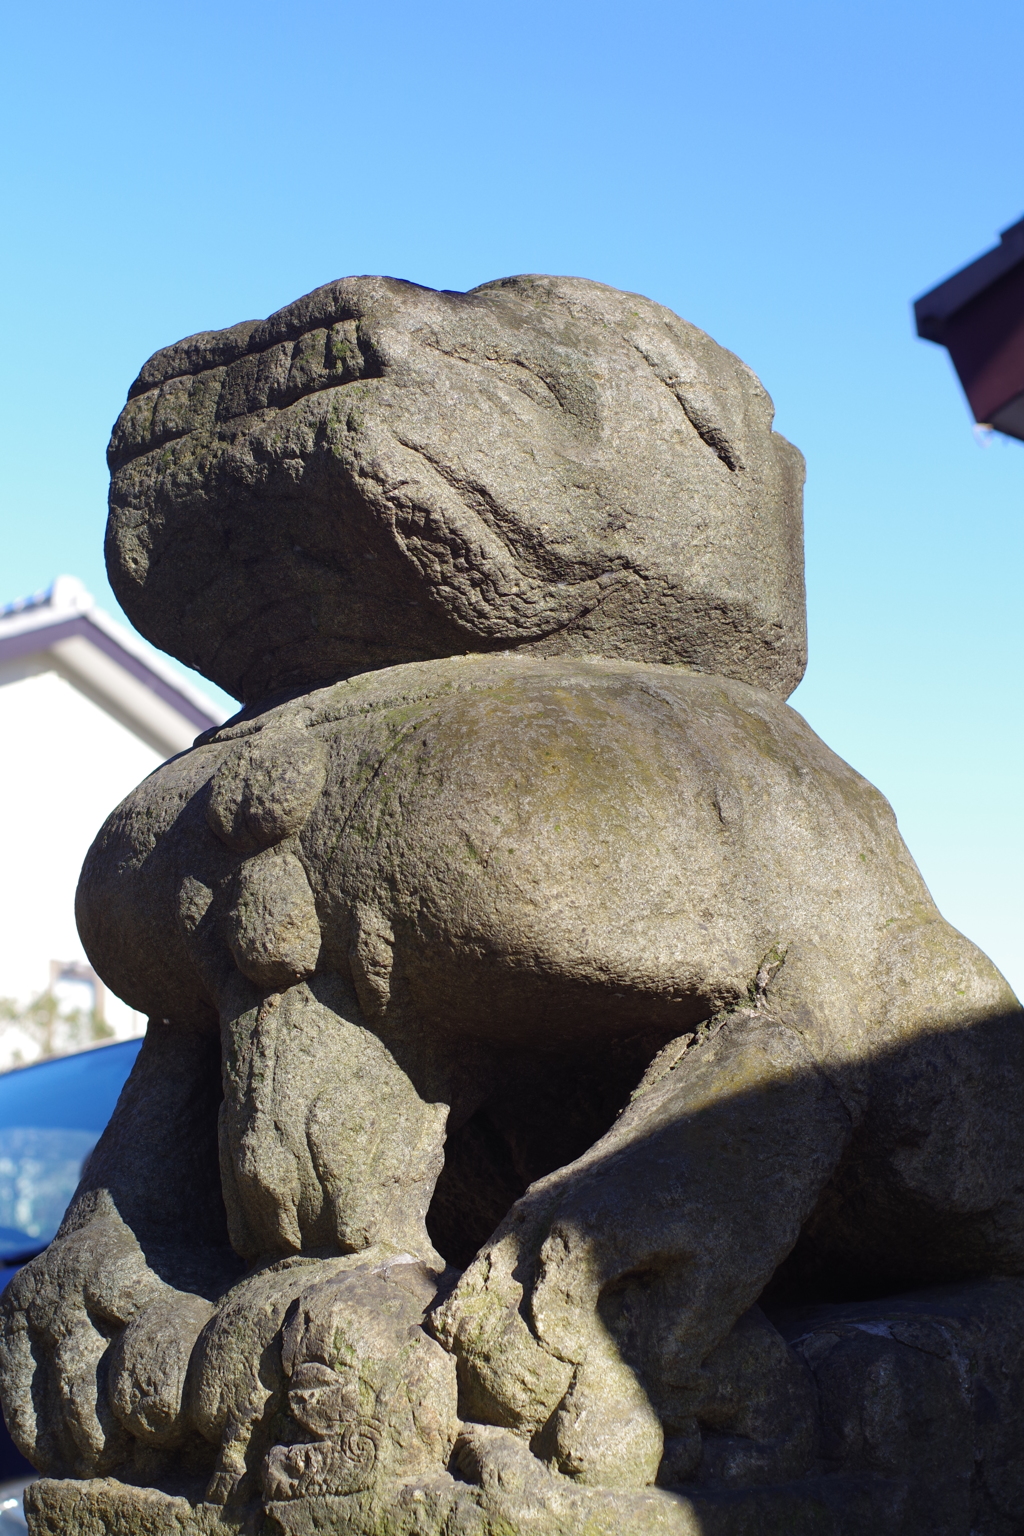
x,y
51,1116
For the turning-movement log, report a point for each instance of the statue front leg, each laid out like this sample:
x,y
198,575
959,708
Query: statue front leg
x,y
584,1323
329,1157
327,1146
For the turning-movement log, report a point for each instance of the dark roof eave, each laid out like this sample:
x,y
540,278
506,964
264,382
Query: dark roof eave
x,y
933,309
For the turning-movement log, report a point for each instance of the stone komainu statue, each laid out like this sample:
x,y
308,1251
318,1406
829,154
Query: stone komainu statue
x,y
554,1053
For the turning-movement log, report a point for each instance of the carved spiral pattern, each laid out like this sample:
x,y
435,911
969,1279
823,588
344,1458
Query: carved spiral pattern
x,y
360,1444
344,1464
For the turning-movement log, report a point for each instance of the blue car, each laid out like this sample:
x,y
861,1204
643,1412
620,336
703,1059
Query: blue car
x,y
51,1116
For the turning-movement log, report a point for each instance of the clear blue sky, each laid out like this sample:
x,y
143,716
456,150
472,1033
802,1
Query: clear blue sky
x,y
786,175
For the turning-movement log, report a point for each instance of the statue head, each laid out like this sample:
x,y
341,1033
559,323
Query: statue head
x,y
382,473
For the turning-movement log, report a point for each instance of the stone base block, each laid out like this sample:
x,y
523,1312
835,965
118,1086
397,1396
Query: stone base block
x,y
921,1433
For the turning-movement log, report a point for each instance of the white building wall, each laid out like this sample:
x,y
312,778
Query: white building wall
x,y
64,765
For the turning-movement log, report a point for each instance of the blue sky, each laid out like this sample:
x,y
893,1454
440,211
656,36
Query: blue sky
x,y
788,176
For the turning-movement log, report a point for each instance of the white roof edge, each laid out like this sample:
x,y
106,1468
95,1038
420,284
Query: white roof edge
x,y
143,652
68,598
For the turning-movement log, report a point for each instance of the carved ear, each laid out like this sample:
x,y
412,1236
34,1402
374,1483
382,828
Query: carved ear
x,y
371,958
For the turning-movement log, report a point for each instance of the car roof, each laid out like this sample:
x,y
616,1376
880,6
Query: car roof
x,y
68,1092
